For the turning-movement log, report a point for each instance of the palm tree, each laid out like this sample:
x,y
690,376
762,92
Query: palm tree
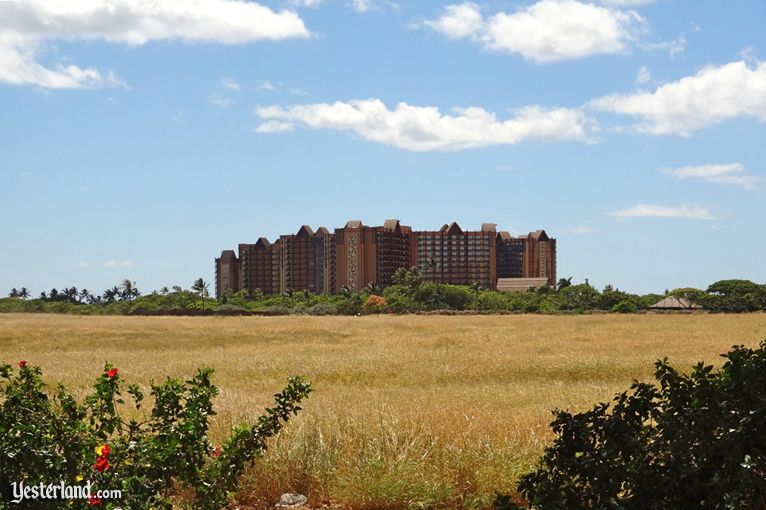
x,y
201,287
164,291
475,289
70,294
563,283
111,295
13,293
84,295
129,290
177,288
43,295
24,293
54,294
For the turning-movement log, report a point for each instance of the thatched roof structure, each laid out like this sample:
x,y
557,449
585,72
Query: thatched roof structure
x,y
674,303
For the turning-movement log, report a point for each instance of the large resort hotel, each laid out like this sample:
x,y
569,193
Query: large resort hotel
x,y
356,255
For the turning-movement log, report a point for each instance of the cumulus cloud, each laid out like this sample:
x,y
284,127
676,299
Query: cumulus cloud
x,y
421,128
118,263
266,85
26,26
362,5
546,31
710,96
274,126
459,21
229,83
685,211
627,3
731,173
220,101
306,3
643,76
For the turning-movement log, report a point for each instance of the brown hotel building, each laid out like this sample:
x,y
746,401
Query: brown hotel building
x,y
356,255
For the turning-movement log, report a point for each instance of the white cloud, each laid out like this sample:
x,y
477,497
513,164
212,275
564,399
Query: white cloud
x,y
119,263
546,31
306,3
732,173
420,128
220,101
459,21
274,126
712,95
674,47
266,85
26,26
643,76
579,230
84,264
229,83
627,3
362,5
685,211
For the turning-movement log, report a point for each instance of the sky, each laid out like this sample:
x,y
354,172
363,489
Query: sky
x,y
139,138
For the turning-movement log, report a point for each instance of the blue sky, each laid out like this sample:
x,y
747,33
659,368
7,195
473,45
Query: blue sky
x,y
138,138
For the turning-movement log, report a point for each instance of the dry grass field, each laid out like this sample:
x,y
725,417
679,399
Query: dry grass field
x,y
408,411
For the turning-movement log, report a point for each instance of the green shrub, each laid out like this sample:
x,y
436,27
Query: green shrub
x,y
48,437
323,309
624,306
687,442
492,301
398,299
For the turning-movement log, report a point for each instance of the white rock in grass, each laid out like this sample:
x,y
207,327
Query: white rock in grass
x,y
291,500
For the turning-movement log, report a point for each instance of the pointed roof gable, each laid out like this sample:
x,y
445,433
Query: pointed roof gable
x,y
354,224
305,231
454,229
322,231
263,243
539,235
392,225
504,235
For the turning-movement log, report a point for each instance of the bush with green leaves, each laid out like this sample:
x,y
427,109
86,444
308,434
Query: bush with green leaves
x,y
694,441
47,437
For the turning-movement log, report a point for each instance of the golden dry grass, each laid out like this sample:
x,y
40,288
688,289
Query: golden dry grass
x,y
410,411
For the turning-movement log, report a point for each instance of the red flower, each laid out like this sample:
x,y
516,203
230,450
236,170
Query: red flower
x,y
22,363
94,501
215,452
102,464
112,373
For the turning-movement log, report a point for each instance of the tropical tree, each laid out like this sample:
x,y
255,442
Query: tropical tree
x,y
563,283
13,293
129,290
475,290
201,287
70,294
24,293
111,295
373,288
346,292
164,291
